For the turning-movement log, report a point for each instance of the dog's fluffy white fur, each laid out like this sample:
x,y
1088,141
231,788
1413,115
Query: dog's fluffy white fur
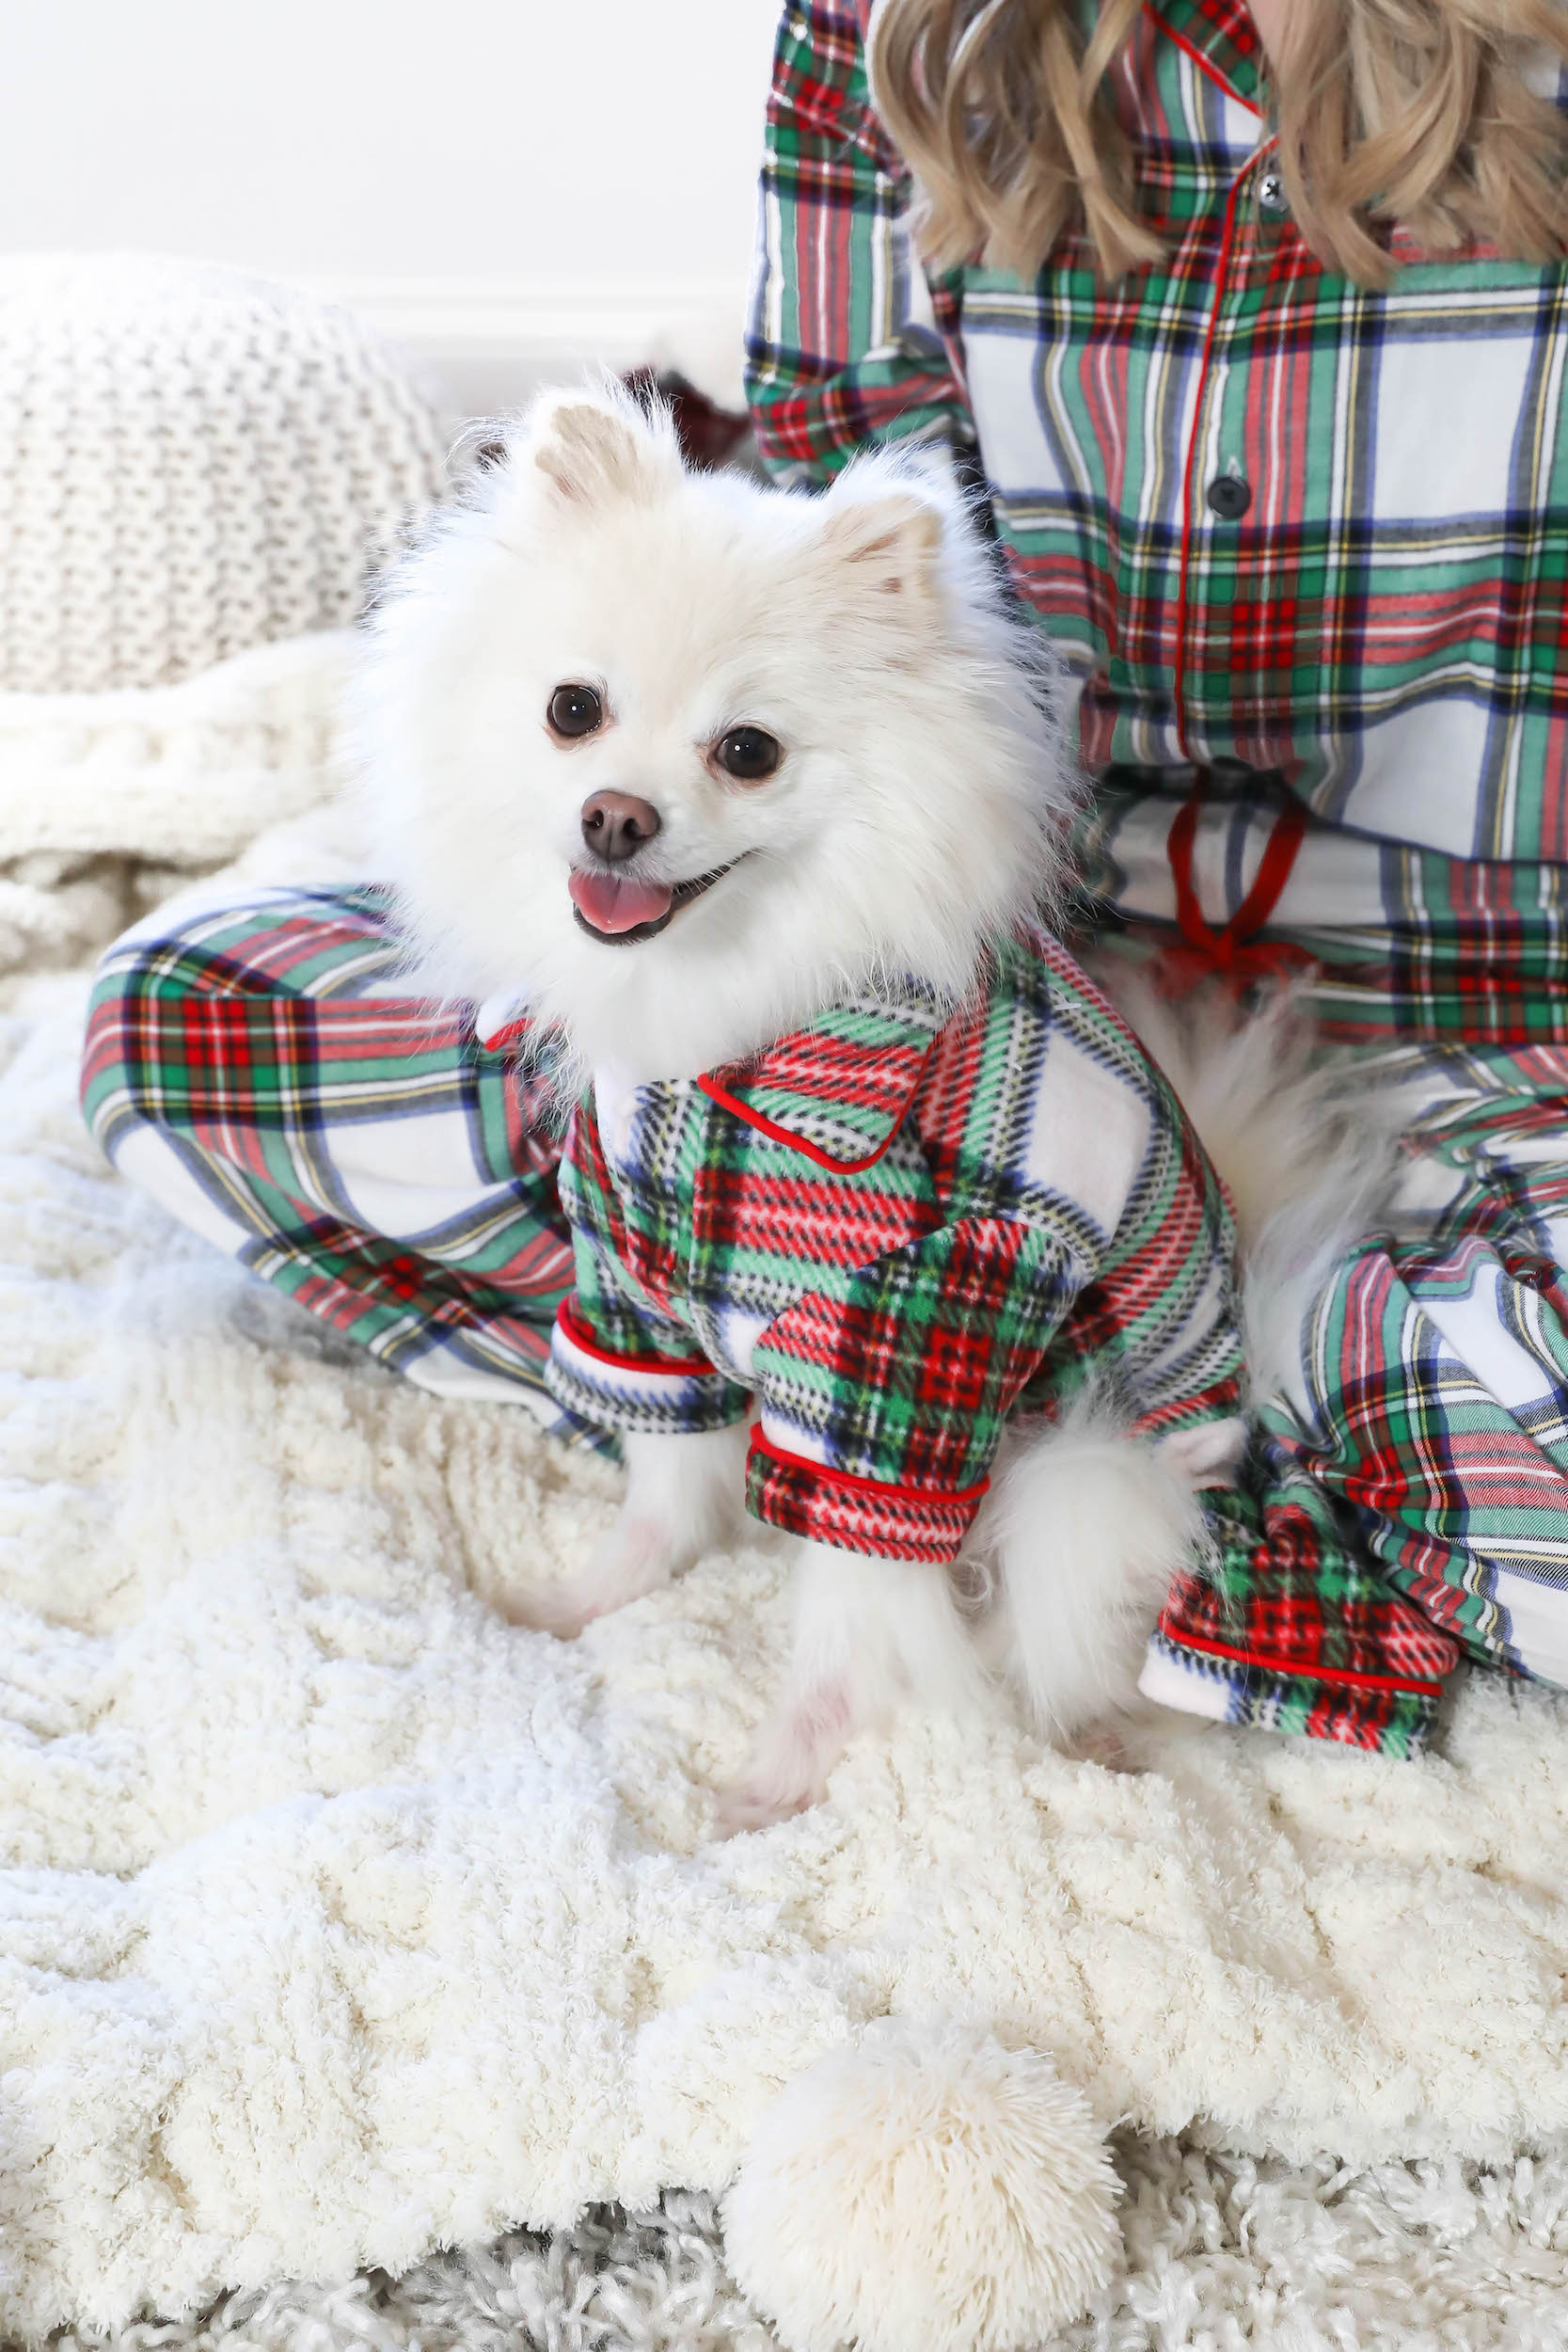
x,y
864,629
916,810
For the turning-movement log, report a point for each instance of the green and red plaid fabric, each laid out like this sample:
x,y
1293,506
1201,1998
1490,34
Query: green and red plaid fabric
x,y
1332,715
263,1068
1435,1366
896,1228
1288,1626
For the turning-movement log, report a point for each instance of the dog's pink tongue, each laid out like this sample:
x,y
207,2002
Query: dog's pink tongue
x,y
613,905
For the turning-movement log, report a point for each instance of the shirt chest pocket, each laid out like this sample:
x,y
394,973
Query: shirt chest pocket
x,y
771,1223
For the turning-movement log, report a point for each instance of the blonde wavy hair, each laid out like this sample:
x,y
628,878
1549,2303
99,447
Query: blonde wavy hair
x,y
1414,111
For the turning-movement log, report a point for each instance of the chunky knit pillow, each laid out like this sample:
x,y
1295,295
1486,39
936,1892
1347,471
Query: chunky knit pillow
x,y
193,462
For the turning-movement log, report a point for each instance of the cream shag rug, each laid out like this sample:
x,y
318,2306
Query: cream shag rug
x,y
1222,2252
343,1921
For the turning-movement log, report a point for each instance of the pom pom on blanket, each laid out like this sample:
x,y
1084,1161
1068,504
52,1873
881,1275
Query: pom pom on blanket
x,y
926,2190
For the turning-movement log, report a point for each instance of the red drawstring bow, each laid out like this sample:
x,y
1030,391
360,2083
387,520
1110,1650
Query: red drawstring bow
x,y
1234,954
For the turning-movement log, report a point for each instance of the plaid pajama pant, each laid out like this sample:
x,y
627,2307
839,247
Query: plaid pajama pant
x,y
1435,1367
264,1069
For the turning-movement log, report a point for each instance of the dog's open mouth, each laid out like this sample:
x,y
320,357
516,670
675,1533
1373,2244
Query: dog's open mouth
x,y
618,909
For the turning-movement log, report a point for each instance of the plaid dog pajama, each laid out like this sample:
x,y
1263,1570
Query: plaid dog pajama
x,y
893,1228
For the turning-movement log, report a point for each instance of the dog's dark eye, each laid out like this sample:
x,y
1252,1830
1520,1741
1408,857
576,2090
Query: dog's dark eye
x,y
749,754
576,710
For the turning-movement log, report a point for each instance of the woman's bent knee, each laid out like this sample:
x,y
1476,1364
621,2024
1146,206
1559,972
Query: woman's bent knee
x,y
175,997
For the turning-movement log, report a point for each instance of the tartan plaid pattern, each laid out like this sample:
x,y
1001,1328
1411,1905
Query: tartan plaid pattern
x,y
261,1067
1377,646
1432,1437
897,1228
858,1514
1437,1370
1288,1628
1422,949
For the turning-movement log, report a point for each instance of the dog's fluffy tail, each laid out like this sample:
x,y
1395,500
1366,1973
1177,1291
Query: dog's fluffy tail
x,y
1078,1539
1311,1167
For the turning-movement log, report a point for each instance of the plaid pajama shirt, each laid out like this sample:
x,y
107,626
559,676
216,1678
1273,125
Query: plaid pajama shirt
x,y
905,1223
1306,546
1258,688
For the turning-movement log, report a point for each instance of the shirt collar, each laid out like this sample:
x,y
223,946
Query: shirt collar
x,y
1220,37
1219,33
837,1091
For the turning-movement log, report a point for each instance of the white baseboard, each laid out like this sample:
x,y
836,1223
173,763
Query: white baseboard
x,y
483,348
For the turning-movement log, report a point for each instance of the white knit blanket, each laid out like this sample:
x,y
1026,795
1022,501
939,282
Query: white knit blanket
x,y
341,1919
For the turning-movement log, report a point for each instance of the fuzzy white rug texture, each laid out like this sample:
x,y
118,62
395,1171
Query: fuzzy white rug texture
x,y
1221,2253
343,1920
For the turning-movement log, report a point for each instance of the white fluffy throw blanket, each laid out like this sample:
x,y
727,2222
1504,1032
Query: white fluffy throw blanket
x,y
340,1919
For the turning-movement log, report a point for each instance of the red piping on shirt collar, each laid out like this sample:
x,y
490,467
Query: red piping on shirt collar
x,y
1205,64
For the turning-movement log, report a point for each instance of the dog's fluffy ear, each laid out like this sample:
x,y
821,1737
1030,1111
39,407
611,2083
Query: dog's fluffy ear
x,y
890,546
596,449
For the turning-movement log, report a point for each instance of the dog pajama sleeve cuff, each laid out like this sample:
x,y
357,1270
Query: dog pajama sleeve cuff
x,y
1288,1630
866,1514
884,1396
636,1388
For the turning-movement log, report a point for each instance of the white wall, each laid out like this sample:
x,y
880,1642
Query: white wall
x,y
502,185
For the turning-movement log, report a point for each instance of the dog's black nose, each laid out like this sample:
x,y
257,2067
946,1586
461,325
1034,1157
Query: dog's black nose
x,y
615,825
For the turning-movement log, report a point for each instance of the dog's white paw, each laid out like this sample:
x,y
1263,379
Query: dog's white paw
x,y
1145,1738
788,1768
682,1494
746,1804
634,1556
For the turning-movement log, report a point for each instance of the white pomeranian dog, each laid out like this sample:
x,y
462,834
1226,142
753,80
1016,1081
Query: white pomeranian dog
x,y
754,800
